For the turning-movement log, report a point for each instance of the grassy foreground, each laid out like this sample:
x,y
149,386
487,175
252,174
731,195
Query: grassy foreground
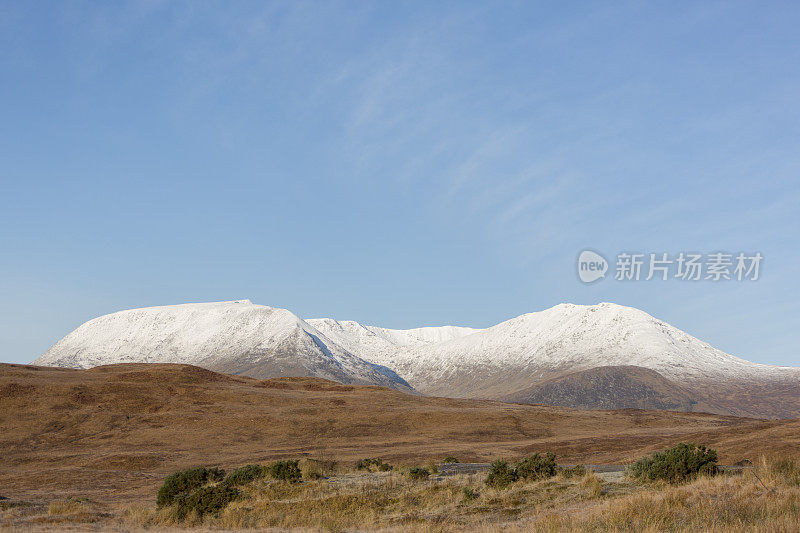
x,y
764,498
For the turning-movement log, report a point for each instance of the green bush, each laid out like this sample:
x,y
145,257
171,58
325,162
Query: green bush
x,y
376,462
417,473
286,471
684,462
246,474
469,494
537,467
573,471
365,464
184,482
205,500
501,475
450,459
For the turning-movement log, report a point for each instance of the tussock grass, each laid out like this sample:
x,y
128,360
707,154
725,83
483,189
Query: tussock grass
x,y
764,498
64,507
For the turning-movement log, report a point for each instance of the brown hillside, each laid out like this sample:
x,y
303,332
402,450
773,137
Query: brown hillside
x,y
611,387
113,432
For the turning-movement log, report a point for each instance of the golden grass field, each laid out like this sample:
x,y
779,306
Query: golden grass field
x,y
89,449
764,499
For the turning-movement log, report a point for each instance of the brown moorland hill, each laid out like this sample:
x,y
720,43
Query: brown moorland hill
x,y
611,387
112,433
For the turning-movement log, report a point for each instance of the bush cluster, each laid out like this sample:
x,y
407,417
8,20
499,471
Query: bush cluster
x,y
501,475
286,471
417,473
246,474
450,459
208,490
533,468
682,463
205,500
373,462
573,471
186,481
537,467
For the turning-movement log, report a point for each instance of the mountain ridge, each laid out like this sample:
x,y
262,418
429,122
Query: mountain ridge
x,y
236,337
504,361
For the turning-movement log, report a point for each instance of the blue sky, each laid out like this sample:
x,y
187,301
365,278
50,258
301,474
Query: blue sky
x,y
397,164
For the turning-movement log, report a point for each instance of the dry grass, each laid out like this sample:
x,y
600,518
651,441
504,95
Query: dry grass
x,y
65,507
138,516
764,499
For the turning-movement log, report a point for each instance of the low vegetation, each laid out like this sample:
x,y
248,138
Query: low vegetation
x,y
533,468
684,462
501,475
416,473
246,474
577,471
373,464
525,496
205,500
537,467
185,482
286,471
469,494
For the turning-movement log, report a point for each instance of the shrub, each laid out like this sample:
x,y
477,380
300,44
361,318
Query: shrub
x,y
185,481
364,464
500,475
286,471
469,494
573,471
450,459
205,500
537,467
682,463
418,474
376,462
246,474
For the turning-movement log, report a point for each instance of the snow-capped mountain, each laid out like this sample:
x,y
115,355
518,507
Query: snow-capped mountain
x,y
508,360
532,346
377,343
575,355
237,337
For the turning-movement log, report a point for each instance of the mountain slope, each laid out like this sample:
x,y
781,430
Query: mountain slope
x,y
236,337
609,387
381,343
505,360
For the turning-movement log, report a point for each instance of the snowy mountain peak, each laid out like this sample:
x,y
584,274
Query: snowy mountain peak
x,y
502,361
235,336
